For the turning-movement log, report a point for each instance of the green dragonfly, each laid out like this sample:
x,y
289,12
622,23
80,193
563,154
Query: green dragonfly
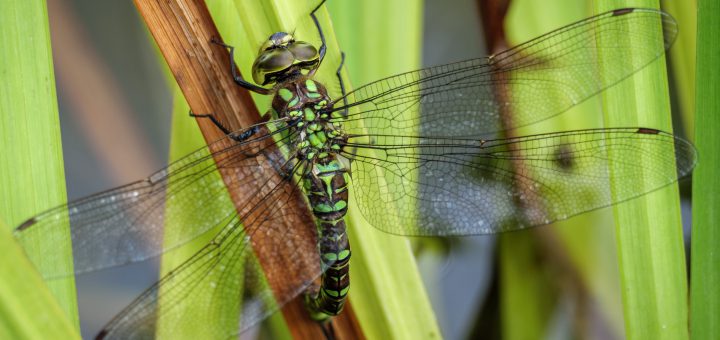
x,y
423,153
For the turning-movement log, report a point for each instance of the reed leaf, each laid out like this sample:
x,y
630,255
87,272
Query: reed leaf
x,y
705,295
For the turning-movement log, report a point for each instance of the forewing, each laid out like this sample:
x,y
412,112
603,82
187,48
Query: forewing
x,y
537,79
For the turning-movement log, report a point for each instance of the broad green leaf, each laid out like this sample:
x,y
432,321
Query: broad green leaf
x,y
31,166
28,310
704,294
649,228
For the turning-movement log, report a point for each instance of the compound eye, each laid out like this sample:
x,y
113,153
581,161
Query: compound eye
x,y
303,51
271,61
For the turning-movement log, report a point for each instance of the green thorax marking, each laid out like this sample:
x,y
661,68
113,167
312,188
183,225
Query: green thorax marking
x,y
303,99
299,95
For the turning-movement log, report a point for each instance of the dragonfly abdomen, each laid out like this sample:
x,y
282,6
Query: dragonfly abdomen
x,y
326,189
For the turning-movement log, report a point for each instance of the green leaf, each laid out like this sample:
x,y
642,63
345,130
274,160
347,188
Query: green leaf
x,y
649,228
28,310
682,58
705,295
31,167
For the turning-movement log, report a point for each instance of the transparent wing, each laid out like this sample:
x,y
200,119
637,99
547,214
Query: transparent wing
x,y
125,224
236,280
439,186
538,79
262,251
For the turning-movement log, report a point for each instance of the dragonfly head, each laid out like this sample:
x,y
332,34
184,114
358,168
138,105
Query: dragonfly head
x,y
282,56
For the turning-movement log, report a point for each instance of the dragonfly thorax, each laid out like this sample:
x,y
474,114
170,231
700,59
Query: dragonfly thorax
x,y
306,104
281,58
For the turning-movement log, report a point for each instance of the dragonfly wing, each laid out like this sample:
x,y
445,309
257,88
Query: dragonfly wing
x,y
125,224
226,286
538,79
440,186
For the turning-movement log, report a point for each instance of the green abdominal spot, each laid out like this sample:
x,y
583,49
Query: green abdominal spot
x,y
340,205
336,279
336,294
326,208
332,257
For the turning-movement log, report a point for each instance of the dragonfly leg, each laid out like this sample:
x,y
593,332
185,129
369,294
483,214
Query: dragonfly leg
x,y
212,119
323,46
342,84
236,76
235,136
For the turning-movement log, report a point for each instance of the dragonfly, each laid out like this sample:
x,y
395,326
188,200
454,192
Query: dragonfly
x,y
424,153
